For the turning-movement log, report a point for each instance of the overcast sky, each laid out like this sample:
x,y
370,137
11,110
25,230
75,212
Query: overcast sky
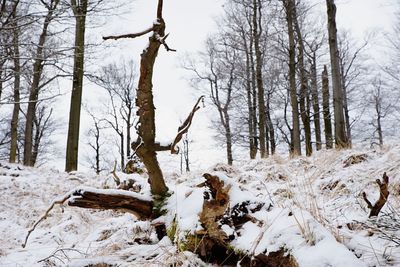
x,y
189,22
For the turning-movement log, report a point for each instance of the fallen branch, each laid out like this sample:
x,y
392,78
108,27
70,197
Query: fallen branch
x,y
92,198
59,201
383,196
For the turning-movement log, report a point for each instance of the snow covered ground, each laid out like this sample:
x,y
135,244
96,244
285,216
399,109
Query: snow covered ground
x,y
315,212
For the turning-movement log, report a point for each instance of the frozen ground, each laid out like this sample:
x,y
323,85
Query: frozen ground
x,y
315,212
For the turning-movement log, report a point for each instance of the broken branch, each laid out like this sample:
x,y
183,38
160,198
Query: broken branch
x,y
162,41
130,35
57,201
185,126
383,196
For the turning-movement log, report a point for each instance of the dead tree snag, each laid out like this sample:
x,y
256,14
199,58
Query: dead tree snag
x,y
146,150
383,196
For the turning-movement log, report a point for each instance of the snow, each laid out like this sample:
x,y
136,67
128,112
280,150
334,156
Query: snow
x,y
313,211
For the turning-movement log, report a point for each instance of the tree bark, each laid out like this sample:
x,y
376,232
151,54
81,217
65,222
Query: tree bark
x,y
259,78
71,158
289,5
252,134
326,110
117,200
315,101
144,102
34,89
345,104
341,139
17,84
304,91
228,135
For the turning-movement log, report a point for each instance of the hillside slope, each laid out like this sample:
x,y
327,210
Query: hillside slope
x,y
315,212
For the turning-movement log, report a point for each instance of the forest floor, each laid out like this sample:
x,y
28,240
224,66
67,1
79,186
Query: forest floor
x,y
314,211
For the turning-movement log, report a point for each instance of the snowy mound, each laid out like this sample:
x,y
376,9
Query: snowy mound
x,y
313,210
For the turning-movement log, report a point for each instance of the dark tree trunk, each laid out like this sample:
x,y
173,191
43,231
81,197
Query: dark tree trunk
x,y
128,133
144,102
315,101
122,147
326,110
97,147
289,6
254,97
34,89
252,134
71,160
345,105
341,139
17,83
259,78
271,129
304,91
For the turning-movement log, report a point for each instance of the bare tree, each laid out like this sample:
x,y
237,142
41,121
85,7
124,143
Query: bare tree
x,y
79,8
96,143
218,71
119,80
304,90
145,146
17,85
381,106
326,110
36,85
289,6
341,138
351,71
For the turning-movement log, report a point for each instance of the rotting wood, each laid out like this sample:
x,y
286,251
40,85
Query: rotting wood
x,y
100,199
84,198
383,196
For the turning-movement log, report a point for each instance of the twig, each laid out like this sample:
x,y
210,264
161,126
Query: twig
x,y
57,201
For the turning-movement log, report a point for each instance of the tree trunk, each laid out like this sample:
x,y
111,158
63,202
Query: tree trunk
x,y
128,134
144,102
34,89
97,147
303,85
289,5
315,101
252,134
270,128
17,83
341,139
345,105
254,97
228,138
326,110
122,147
71,158
259,78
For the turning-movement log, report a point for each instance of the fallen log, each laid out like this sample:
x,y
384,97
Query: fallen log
x,y
112,199
92,198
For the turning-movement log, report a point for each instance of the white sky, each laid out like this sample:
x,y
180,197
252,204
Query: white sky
x,y
189,22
